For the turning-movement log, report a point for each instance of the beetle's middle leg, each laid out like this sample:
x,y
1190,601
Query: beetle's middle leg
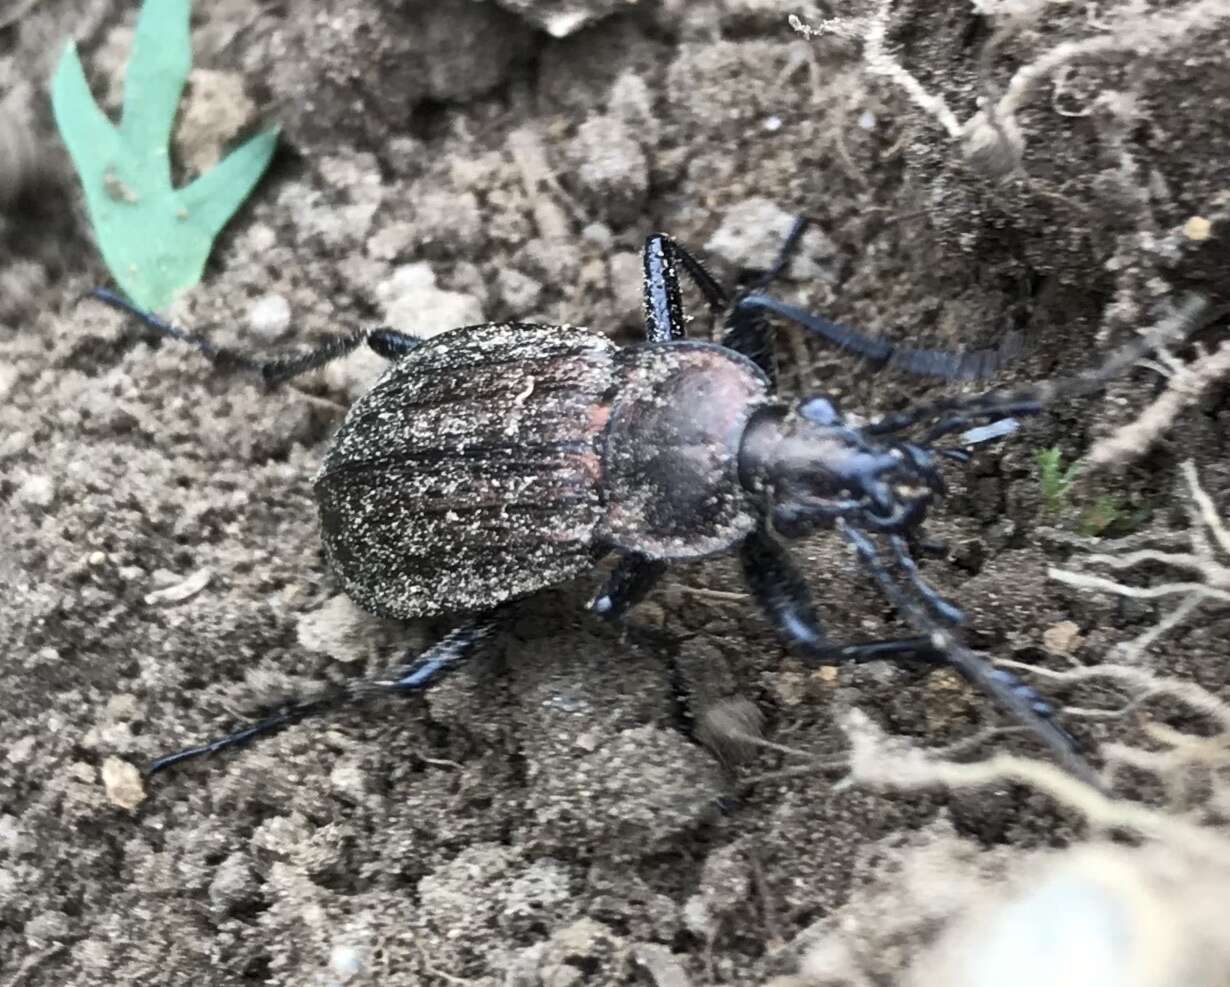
x,y
389,343
663,259
630,581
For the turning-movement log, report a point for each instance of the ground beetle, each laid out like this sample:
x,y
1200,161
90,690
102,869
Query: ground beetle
x,y
494,460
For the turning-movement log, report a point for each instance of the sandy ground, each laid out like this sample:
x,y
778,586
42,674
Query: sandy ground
x,y
539,818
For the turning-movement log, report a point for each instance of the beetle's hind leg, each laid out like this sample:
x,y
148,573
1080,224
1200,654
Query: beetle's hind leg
x,y
389,343
415,676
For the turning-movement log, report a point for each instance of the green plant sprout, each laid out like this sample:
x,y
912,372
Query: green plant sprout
x,y
1055,481
154,237
1108,514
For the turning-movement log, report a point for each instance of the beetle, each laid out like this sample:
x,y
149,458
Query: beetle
x,y
492,461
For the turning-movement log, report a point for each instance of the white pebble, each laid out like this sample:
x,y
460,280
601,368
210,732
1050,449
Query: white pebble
x,y
269,316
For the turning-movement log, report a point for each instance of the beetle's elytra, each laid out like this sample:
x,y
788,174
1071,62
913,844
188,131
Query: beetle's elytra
x,y
494,460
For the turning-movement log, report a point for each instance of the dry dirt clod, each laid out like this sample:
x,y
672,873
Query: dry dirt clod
x,y
123,784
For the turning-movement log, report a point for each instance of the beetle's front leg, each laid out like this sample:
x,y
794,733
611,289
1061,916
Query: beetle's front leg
x,y
629,582
778,586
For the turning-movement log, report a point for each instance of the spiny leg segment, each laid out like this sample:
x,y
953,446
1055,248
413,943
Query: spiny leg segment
x,y
389,343
417,675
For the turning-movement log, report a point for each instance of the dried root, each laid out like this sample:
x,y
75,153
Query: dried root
x,y
1212,577
991,138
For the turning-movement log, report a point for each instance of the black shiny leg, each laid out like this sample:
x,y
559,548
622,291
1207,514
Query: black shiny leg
x,y
424,671
783,594
747,329
663,260
948,612
879,352
389,343
1024,702
629,582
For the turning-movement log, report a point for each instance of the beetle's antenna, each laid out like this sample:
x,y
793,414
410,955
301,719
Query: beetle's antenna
x,y
1020,699
880,353
955,413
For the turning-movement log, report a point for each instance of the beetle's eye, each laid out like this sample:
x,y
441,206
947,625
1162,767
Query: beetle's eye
x,y
821,410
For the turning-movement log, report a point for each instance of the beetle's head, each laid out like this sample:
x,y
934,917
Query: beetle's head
x,y
812,467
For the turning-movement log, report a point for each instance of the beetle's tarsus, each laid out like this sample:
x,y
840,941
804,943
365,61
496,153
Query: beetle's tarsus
x,y
1021,700
632,579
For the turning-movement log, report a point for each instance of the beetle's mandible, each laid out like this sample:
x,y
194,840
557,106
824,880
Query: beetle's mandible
x,y
494,460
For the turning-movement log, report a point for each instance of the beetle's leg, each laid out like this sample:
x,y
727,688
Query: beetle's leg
x,y
948,612
783,594
663,301
389,343
416,676
997,406
663,258
630,581
747,330
454,648
1024,702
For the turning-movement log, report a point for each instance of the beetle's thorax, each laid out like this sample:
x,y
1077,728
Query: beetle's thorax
x,y
672,450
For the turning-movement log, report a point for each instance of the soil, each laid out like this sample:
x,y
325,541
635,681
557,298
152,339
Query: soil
x,y
540,817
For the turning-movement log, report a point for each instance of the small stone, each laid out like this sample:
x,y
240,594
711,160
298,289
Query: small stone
x,y
826,674
791,688
346,962
233,884
1062,638
339,629
349,781
269,316
414,304
519,292
612,171
1197,229
20,750
37,491
122,782
183,590
751,235
215,110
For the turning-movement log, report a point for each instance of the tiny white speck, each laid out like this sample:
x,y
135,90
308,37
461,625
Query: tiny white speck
x,y
773,123
345,962
867,120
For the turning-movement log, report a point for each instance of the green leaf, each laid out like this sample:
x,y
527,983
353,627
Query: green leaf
x,y
154,79
215,195
154,238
